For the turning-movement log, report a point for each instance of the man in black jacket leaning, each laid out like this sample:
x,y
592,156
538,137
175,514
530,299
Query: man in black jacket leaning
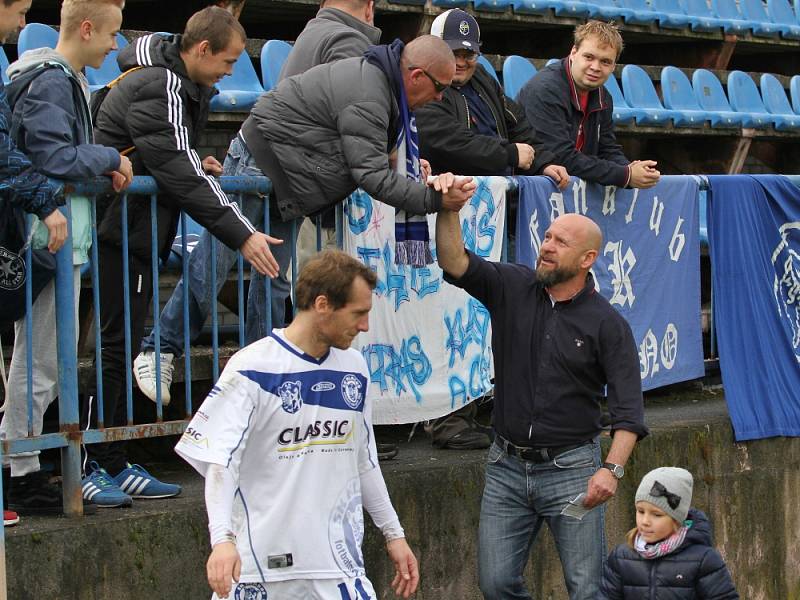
x,y
475,130
156,113
571,112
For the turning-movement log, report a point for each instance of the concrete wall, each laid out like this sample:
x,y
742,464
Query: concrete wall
x,y
750,491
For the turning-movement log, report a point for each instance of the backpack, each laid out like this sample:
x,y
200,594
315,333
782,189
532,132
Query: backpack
x,y
99,96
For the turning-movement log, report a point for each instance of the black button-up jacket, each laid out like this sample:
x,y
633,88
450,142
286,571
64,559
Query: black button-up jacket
x,y
554,362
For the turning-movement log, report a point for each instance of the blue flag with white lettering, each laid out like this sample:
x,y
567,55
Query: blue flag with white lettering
x,y
754,238
648,266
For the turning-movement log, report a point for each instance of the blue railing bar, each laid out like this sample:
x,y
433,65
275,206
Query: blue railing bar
x,y
3,590
45,441
98,344
240,285
147,185
154,249
126,299
131,432
340,225
29,324
318,223
187,353
267,280
214,316
67,343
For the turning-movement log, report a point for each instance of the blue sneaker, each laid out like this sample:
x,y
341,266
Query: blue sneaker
x,y
140,484
101,489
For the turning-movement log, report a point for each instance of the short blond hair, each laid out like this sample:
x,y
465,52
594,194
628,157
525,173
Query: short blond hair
x,y
75,12
606,33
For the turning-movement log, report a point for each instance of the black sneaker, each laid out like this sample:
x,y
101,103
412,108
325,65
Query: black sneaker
x,y
469,439
34,494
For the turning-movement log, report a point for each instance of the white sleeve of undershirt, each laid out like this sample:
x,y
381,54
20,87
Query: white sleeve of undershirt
x,y
375,498
220,491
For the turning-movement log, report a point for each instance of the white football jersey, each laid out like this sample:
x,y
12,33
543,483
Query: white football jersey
x,y
297,433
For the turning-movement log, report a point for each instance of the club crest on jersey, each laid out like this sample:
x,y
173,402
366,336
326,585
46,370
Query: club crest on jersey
x,y
289,391
351,390
346,529
250,591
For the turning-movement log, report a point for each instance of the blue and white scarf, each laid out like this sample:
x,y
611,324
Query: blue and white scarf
x,y
412,239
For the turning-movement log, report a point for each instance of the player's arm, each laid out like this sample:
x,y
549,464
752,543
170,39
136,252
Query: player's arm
x,y
376,501
224,565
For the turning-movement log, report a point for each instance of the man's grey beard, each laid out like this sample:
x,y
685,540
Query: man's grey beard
x,y
555,276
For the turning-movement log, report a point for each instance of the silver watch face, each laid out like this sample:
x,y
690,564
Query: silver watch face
x,y
617,470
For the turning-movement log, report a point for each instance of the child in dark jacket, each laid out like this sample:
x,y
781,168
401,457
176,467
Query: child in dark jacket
x,y
669,552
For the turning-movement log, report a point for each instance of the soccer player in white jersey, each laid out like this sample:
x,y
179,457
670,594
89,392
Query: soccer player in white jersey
x,y
286,445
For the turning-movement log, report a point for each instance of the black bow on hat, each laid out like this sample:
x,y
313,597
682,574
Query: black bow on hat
x,y
658,490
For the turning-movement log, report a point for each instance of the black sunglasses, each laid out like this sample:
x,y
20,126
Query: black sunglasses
x,y
437,85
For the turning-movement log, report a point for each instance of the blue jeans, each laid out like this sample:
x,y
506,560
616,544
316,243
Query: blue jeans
x,y
239,162
518,498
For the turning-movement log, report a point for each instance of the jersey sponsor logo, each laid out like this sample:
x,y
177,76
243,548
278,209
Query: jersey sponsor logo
x,y
194,437
346,529
323,386
289,391
250,591
351,391
316,433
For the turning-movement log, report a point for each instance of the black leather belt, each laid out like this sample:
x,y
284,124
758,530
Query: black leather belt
x,y
536,455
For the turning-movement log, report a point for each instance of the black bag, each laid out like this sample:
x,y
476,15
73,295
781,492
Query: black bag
x,y
13,267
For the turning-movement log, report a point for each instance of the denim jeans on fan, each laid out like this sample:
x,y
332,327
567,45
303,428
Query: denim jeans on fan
x,y
238,162
518,498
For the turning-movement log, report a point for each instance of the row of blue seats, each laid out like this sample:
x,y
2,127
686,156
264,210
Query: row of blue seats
x,y
238,93
775,19
687,103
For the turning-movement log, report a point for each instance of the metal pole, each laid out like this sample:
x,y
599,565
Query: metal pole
x,y
67,346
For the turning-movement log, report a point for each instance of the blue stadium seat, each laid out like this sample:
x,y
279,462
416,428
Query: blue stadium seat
x,y
239,91
781,13
563,8
490,5
757,12
484,62
273,55
701,17
623,113
746,100
641,13
679,96
552,61
732,20
36,35
411,2
712,99
794,93
608,10
4,65
640,93
109,70
450,3
777,103
671,14
516,73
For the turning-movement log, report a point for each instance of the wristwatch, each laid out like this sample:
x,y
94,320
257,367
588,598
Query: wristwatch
x,y
617,471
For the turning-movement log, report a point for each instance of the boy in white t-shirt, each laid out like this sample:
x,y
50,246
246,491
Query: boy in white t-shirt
x,y
286,445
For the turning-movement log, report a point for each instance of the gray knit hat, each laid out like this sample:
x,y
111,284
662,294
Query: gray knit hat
x,y
668,488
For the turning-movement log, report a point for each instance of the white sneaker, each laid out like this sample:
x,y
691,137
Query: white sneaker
x,y
144,370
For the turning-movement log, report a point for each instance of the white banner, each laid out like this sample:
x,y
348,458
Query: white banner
x,y
428,347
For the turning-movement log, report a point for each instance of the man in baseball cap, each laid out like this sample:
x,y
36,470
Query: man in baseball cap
x,y
475,130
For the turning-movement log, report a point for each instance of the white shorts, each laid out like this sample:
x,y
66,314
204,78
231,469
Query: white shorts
x,y
358,588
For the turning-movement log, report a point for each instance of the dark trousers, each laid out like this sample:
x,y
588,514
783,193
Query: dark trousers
x,y
112,455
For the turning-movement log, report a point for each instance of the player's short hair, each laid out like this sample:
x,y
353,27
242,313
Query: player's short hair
x,y
331,273
213,24
607,34
75,12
